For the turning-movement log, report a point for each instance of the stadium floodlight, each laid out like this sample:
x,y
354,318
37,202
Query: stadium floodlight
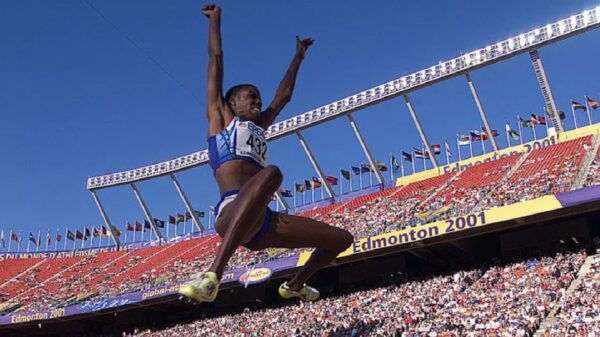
x,y
444,70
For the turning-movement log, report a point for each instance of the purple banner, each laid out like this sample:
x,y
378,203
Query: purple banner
x,y
261,272
580,196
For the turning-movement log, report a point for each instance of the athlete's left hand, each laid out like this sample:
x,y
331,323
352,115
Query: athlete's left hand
x,y
302,45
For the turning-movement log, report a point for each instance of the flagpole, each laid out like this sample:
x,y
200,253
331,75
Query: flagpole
x,y
587,109
322,195
534,134
351,174
423,157
546,124
39,240
47,236
391,168
10,240
312,194
446,150
360,176
458,147
341,183
506,127
66,239
412,156
520,130
402,162
573,112
295,193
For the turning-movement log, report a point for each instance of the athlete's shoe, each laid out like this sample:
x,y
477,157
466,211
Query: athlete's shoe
x,y
306,293
203,288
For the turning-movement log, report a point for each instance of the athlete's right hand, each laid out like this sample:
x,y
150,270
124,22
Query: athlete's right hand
x,y
210,10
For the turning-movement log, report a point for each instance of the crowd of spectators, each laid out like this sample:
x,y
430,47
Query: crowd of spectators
x,y
593,174
505,301
580,313
546,171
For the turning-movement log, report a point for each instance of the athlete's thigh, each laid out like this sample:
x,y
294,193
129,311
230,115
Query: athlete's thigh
x,y
291,231
253,218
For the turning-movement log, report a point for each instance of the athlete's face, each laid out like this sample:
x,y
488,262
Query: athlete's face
x,y
247,104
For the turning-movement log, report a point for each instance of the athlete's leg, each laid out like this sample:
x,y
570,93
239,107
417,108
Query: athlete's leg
x,y
289,231
244,216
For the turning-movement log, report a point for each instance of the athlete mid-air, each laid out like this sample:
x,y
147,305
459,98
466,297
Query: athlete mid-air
x,y
238,156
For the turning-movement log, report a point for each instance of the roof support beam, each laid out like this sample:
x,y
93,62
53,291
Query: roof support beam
x,y
107,223
415,118
365,149
315,165
187,204
486,123
147,213
540,74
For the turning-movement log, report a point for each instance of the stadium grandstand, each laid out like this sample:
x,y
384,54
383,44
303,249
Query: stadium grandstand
x,y
500,244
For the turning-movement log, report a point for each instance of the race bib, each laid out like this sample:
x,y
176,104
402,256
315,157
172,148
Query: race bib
x,y
251,142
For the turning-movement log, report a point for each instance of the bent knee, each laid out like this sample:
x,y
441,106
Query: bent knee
x,y
274,175
344,240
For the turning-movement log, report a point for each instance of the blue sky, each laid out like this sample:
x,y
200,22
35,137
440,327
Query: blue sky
x,y
77,99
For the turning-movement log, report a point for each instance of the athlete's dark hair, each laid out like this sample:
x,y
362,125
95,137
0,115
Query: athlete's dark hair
x,y
236,89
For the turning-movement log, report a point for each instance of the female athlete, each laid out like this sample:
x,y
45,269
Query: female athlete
x,y
238,154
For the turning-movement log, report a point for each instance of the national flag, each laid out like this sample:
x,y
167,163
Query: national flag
x,y
172,220
561,114
199,214
365,168
48,238
70,235
525,123
494,133
308,184
592,103
407,156
286,193
448,153
395,164
115,230
147,224
463,139
345,174
159,223
58,237
437,149
512,133
2,238
476,135
535,120
13,236
331,180
32,238
96,232
578,106
130,227
138,226
300,188
180,218
79,235
315,182
87,233
381,166
356,170
418,153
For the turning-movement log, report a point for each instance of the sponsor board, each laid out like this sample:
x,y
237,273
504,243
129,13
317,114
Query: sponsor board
x,y
257,275
442,227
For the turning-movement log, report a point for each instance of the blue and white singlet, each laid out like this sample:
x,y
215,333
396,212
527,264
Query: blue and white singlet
x,y
239,140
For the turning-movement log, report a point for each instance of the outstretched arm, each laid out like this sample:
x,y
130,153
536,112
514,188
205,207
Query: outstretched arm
x,y
286,86
214,85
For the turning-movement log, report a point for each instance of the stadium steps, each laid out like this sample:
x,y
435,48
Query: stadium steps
x,y
585,166
9,269
509,174
551,319
54,269
441,188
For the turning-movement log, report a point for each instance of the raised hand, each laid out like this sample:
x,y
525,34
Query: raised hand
x,y
210,10
302,45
